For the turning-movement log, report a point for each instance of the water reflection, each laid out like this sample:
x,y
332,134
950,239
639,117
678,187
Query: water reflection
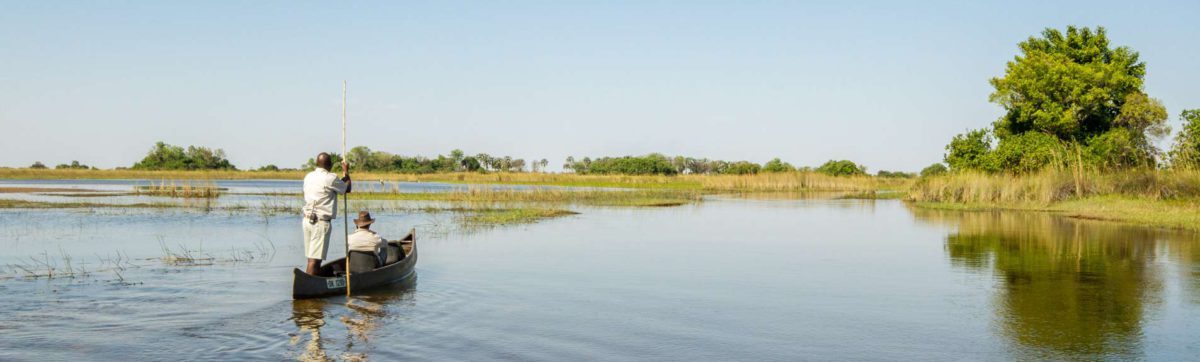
x,y
1067,288
361,315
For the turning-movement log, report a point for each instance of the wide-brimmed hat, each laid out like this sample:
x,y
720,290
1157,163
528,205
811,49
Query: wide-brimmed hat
x,y
364,219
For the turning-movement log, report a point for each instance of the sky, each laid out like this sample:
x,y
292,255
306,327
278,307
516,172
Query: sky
x,y
885,84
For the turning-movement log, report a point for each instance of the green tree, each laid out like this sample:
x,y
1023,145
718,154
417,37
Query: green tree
x,y
1067,91
37,165
842,168
359,158
74,165
471,164
934,170
742,168
1070,85
777,165
969,151
1185,153
167,157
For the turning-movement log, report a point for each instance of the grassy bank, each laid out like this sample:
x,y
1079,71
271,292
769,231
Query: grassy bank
x,y
763,182
1145,197
581,197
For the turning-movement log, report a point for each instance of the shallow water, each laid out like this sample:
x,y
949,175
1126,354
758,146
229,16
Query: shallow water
x,y
727,279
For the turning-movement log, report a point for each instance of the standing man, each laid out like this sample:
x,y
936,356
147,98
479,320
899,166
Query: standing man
x,y
321,189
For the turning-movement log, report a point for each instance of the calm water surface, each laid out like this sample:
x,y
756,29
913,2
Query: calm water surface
x,y
728,279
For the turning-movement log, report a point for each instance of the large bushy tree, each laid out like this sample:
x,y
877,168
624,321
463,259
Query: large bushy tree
x,y
1067,91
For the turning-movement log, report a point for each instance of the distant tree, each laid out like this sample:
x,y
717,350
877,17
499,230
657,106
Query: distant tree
x,y
485,161
335,159
456,157
37,165
842,168
679,163
167,157
934,170
894,174
545,163
74,165
569,164
359,157
776,165
742,168
1185,153
471,164
268,168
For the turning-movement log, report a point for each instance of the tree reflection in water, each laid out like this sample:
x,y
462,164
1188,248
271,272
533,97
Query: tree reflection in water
x,y
1068,288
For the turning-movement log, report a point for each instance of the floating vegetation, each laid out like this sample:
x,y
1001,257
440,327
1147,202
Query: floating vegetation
x,y
494,217
204,190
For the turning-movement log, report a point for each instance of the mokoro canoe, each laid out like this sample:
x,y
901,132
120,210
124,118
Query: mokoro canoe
x,y
306,286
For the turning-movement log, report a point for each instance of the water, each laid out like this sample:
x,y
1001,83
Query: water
x,y
727,279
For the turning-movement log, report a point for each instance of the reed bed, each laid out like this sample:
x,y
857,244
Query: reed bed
x,y
795,181
187,190
1056,186
544,195
786,181
494,217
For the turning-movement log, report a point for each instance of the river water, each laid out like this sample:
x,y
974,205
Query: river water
x,y
725,279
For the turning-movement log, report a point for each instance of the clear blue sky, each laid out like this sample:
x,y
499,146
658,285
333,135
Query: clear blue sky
x,y
886,84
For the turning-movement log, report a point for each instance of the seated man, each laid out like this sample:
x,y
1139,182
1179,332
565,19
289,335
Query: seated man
x,y
367,241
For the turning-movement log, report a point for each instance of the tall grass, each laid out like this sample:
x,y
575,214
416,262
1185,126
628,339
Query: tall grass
x,y
1055,186
188,190
795,181
544,195
785,181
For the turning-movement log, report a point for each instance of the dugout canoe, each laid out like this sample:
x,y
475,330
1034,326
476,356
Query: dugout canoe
x,y
306,286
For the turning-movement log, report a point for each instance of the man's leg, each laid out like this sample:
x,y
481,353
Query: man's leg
x,y
314,267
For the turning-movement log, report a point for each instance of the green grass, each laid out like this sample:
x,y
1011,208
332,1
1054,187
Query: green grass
x,y
23,204
631,198
1174,214
491,217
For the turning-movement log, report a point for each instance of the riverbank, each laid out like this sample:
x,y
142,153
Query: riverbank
x,y
1156,198
762,182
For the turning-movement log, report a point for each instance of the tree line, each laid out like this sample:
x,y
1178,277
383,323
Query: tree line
x,y
164,156
1071,99
659,164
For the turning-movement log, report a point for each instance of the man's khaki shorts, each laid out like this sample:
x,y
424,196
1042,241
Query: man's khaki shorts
x,y
316,239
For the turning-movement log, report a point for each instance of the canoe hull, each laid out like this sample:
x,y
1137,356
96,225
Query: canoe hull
x,y
306,286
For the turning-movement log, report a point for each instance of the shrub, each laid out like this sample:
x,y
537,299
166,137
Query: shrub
x,y
842,168
934,170
776,165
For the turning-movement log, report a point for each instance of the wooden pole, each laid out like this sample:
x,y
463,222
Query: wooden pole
x,y
345,196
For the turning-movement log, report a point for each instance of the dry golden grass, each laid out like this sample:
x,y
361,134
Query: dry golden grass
x,y
764,182
188,190
1054,186
641,197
